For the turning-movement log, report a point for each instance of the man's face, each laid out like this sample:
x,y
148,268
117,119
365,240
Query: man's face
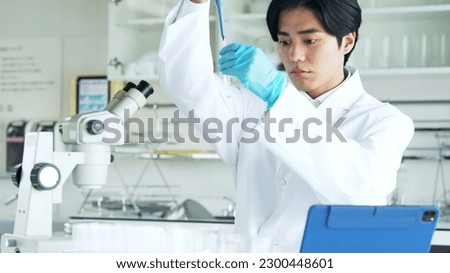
x,y
311,56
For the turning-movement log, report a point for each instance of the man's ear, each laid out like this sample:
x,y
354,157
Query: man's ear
x,y
348,42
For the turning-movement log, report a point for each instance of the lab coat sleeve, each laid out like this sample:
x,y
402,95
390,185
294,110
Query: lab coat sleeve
x,y
353,171
187,77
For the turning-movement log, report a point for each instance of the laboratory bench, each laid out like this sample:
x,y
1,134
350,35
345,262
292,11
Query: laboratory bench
x,y
196,228
82,234
154,235
216,220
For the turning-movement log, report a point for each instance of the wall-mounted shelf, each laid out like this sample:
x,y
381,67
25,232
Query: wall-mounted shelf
x,y
411,10
145,23
404,40
245,17
413,71
407,10
180,154
5,175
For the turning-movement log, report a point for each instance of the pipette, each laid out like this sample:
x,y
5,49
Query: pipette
x,y
219,4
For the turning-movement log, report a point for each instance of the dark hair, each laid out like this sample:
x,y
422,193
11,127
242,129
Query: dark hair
x,y
338,17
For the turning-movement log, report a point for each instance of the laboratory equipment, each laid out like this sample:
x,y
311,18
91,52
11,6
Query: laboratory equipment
x,y
15,136
79,146
440,184
189,210
219,6
44,126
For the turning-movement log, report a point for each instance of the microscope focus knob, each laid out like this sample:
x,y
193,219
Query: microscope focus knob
x,y
45,176
94,127
16,174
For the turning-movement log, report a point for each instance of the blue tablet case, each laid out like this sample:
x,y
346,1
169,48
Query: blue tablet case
x,y
369,229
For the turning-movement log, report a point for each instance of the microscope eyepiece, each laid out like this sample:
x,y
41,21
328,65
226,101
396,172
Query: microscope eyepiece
x,y
145,88
128,86
127,101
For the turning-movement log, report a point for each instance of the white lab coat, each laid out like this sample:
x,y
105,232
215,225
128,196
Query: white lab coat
x,y
277,181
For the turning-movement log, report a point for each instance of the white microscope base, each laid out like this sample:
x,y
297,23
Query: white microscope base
x,y
58,243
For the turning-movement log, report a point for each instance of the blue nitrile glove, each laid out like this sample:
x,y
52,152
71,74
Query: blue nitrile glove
x,y
252,67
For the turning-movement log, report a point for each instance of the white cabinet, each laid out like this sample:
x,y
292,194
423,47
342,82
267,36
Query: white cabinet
x,y
404,39
404,49
135,28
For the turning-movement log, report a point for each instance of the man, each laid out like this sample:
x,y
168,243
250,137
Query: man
x,y
318,139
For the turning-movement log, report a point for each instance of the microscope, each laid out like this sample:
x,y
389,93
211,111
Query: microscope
x,y
79,146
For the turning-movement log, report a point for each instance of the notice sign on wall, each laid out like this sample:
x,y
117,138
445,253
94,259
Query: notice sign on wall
x,y
30,78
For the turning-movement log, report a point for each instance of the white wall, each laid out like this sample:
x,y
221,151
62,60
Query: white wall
x,y
81,25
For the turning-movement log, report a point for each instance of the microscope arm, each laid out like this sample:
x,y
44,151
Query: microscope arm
x,y
41,183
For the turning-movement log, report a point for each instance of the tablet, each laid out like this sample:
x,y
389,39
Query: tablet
x,y
92,93
369,229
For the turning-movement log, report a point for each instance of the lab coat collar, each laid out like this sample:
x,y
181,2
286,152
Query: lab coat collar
x,y
325,95
347,94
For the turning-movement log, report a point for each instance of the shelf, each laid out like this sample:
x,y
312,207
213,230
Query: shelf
x,y
147,22
5,175
421,101
180,154
246,17
141,22
413,71
262,16
407,10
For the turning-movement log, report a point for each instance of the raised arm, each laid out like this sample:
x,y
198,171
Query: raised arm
x,y
187,77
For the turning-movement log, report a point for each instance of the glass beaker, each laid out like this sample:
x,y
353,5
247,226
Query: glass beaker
x,y
444,50
417,51
399,51
435,54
